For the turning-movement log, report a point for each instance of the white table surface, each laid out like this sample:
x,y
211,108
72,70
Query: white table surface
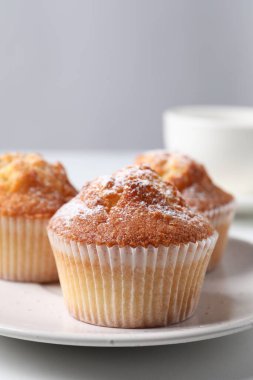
x,y
229,357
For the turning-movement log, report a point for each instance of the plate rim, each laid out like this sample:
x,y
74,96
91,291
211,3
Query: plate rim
x,y
105,340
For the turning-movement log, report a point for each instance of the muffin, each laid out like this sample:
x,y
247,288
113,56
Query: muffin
x,y
129,252
198,190
31,190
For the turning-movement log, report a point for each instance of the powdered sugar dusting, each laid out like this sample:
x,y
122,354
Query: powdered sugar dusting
x,y
77,208
134,183
132,207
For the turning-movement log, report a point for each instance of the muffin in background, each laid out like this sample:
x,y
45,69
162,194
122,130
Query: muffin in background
x,y
31,190
198,190
129,252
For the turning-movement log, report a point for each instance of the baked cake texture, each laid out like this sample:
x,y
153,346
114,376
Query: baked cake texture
x,y
198,190
31,186
129,252
31,190
131,208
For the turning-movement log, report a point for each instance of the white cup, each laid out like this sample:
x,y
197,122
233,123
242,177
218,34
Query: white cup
x,y
219,137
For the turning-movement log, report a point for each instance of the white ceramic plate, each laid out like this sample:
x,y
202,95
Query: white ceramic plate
x,y
37,312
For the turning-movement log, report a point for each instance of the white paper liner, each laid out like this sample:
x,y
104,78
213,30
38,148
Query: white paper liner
x,y
221,219
131,287
25,252
222,214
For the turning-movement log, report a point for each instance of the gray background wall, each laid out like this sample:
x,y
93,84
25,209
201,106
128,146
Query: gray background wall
x,y
99,73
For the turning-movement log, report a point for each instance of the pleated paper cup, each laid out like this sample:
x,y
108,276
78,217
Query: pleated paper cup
x,y
131,287
25,252
221,219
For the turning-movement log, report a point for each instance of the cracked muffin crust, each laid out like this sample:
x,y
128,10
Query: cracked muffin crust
x,y
31,190
198,190
134,207
32,187
190,178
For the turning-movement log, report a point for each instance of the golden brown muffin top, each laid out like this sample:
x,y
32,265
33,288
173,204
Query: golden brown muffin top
x,y
134,207
32,187
190,177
